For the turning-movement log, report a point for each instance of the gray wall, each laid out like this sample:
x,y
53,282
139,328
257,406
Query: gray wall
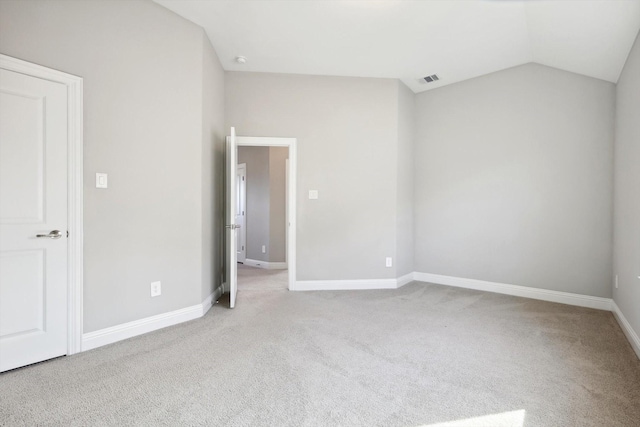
x,y
347,140
277,207
627,190
514,180
143,108
266,210
257,188
513,171
213,165
405,168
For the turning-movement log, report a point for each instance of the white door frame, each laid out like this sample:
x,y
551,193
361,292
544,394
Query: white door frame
x,y
74,189
243,203
252,141
286,213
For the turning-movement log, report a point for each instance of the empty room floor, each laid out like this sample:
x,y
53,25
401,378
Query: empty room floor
x,y
422,355
256,279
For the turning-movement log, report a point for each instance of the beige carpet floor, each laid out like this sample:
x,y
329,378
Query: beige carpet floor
x,y
422,355
259,279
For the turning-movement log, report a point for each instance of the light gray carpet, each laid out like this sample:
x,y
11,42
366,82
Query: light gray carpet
x,y
259,279
420,355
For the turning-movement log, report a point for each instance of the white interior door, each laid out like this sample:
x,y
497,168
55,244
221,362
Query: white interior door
x,y
33,219
286,204
231,226
241,209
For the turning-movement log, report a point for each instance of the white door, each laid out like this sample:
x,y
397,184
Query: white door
x,y
33,219
232,255
286,204
241,202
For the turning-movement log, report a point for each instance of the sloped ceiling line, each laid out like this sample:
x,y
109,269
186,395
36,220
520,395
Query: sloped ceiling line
x,y
408,40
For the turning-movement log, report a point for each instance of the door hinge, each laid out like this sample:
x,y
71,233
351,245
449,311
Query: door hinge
x,y
67,234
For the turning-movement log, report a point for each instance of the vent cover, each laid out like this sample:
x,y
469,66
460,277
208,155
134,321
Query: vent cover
x,y
431,78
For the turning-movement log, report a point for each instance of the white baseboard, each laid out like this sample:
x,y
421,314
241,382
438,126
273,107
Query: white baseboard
x,y
121,332
215,296
403,280
344,285
520,291
266,264
631,335
349,285
208,303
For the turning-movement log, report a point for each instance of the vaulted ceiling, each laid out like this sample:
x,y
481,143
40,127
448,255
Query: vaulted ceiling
x,y
457,40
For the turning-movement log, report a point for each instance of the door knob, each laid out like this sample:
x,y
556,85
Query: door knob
x,y
55,234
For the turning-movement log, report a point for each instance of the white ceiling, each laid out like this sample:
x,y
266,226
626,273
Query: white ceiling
x,y
407,40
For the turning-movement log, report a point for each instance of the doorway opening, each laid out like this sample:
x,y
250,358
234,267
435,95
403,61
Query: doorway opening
x,y
261,213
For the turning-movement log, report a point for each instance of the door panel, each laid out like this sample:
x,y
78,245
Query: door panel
x,y
241,183
232,255
26,268
24,141
33,201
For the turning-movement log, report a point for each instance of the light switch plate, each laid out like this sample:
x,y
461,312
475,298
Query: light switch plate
x,y
313,194
101,180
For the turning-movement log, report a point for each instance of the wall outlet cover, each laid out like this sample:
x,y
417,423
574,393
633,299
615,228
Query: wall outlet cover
x,y
156,289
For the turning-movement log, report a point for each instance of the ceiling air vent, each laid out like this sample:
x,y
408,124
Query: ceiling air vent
x,y
431,78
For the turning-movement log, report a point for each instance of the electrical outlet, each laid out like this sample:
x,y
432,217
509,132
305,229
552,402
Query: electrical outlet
x,y
616,281
264,249
156,289
389,262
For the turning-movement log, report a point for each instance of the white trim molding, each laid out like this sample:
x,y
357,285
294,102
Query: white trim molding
x,y
519,291
138,327
212,298
265,264
631,335
350,285
403,280
291,143
75,119
132,329
344,285
76,214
